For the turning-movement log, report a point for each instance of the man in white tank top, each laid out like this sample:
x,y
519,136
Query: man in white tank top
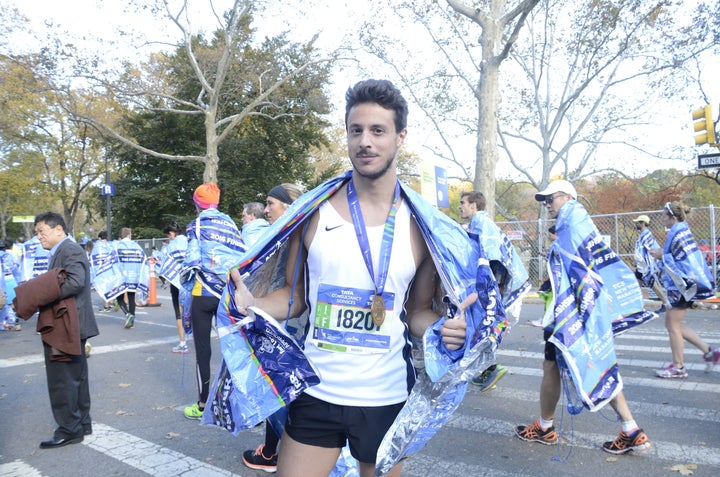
x,y
370,284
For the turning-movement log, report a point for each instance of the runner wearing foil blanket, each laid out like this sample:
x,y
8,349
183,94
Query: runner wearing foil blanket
x,y
368,282
584,274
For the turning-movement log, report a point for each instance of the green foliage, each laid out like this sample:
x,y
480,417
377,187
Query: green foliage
x,y
271,144
52,159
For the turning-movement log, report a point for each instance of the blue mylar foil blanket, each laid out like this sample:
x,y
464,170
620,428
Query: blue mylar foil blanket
x,y
242,394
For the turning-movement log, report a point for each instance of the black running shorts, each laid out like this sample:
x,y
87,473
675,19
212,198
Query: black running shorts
x,y
550,349
314,422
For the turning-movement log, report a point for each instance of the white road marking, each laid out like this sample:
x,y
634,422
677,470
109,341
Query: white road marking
x,y
38,358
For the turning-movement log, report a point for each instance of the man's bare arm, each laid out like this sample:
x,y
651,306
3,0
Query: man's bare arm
x,y
420,314
276,302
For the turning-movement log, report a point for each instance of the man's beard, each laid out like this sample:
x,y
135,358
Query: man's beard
x,y
377,174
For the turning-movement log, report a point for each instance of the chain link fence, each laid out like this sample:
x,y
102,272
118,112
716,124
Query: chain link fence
x,y
531,240
532,243
148,244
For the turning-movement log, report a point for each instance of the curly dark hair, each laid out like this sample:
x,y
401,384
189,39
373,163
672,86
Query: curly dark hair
x,y
381,92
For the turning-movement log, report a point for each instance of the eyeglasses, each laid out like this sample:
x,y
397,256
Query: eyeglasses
x,y
551,198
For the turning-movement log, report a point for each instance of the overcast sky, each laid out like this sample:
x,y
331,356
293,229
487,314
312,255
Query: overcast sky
x,y
91,19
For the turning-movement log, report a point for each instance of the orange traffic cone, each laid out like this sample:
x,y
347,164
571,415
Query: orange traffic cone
x,y
152,295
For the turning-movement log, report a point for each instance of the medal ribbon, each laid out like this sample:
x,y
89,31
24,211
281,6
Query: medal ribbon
x,y
387,238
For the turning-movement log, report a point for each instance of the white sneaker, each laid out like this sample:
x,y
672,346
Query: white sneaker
x,y
671,372
712,358
180,348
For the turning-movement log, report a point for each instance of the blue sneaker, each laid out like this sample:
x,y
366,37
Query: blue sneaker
x,y
488,378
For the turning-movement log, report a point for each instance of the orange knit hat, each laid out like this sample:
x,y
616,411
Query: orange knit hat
x,y
207,195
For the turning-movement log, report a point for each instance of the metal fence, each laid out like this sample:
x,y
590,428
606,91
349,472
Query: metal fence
x,y
148,244
531,240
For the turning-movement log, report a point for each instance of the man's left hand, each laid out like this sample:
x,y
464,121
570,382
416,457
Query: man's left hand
x,y
453,332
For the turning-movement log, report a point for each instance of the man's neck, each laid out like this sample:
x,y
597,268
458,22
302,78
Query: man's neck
x,y
380,190
375,196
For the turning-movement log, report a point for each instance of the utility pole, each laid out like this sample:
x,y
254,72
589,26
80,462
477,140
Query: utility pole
x,y
107,190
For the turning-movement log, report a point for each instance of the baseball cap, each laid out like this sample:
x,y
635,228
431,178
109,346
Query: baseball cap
x,y
556,186
642,218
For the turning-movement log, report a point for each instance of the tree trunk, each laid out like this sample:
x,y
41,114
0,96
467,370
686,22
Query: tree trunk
x,y
211,159
487,97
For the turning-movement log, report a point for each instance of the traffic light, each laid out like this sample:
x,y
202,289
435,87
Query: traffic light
x,y
703,121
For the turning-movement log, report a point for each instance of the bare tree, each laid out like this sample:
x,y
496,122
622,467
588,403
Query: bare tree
x,y
588,74
501,25
258,91
459,90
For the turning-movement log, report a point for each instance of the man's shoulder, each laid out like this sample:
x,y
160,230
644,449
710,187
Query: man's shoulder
x,y
256,224
69,244
68,247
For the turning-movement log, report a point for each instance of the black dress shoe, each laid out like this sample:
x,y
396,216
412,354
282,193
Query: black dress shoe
x,y
63,441
87,431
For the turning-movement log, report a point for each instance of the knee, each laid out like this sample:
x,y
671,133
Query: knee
x,y
669,323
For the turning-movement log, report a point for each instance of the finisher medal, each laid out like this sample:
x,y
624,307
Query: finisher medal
x,y
377,310
377,307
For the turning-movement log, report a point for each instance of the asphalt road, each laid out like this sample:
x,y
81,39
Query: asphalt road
x,y
139,389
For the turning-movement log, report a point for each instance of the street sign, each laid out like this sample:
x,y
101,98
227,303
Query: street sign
x,y
708,160
107,189
434,184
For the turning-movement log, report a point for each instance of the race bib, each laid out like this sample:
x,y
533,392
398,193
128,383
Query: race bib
x,y
343,321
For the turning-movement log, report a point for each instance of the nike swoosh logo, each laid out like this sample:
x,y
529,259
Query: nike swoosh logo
x,y
328,228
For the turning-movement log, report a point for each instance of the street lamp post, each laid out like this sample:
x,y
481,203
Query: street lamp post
x,y
108,218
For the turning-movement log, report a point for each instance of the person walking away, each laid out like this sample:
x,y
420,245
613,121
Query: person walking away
x,y
646,266
11,276
687,278
214,246
171,257
103,252
133,264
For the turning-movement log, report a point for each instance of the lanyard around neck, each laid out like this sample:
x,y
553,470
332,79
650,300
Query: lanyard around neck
x,y
387,239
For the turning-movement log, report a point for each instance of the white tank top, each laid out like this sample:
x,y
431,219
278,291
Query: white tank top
x,y
360,364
